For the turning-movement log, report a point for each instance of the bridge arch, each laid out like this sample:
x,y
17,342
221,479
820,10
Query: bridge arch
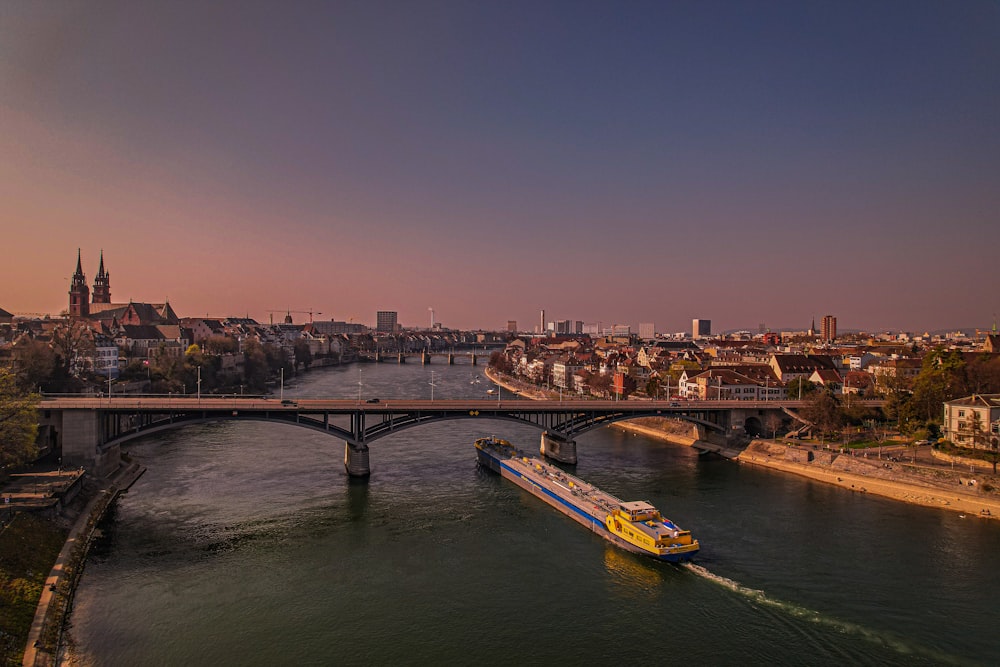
x,y
87,429
576,425
180,421
557,437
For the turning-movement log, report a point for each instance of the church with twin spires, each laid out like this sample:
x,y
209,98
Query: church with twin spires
x,y
97,306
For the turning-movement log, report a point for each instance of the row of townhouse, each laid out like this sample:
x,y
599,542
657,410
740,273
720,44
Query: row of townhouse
x,y
734,371
737,383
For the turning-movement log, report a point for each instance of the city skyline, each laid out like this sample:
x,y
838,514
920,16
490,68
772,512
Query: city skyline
x,y
651,163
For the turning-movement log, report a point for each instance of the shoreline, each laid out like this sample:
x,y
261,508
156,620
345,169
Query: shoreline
x,y
895,481
46,634
847,472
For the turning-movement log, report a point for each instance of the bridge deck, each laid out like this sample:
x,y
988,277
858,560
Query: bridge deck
x,y
162,403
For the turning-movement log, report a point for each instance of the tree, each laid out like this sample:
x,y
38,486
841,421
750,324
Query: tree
x,y
995,446
500,362
599,384
220,345
983,374
35,363
823,410
800,388
772,422
18,422
255,368
276,359
303,355
74,345
628,385
859,413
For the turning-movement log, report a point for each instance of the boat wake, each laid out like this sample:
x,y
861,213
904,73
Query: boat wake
x,y
888,640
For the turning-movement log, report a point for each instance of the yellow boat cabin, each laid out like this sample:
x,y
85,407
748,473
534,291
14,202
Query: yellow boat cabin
x,y
641,524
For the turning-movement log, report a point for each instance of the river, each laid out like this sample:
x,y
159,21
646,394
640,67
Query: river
x,y
247,544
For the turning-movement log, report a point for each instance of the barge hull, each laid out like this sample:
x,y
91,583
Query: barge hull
x,y
591,517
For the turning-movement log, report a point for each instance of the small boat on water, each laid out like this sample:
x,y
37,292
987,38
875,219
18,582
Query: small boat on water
x,y
635,526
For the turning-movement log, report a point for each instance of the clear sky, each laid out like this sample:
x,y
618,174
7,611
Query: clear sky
x,y
622,162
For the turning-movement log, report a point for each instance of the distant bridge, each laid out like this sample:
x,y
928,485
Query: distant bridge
x,y
425,357
90,430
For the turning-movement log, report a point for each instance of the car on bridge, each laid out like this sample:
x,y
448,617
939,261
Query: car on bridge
x,y
372,400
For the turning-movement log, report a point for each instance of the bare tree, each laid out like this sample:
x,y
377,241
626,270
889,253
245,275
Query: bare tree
x,y
74,345
772,422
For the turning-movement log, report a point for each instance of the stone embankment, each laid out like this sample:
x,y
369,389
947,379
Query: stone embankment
x,y
971,494
57,594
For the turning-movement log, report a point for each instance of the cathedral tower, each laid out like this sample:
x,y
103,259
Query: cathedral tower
x,y
79,293
102,284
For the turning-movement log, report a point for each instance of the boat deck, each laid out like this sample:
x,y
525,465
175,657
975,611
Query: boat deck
x,y
572,489
635,526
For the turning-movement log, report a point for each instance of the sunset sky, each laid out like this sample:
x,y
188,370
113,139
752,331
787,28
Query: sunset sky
x,y
623,162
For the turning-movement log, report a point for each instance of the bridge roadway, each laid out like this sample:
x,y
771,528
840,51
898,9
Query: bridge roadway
x,y
90,430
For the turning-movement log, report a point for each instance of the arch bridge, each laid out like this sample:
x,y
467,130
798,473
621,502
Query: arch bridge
x,y
90,430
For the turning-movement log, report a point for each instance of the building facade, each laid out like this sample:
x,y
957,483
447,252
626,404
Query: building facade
x,y
829,328
701,328
973,421
385,321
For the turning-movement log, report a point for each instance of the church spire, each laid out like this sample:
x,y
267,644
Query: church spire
x,y
79,293
102,284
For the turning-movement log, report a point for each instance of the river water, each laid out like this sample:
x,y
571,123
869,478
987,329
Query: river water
x,y
246,544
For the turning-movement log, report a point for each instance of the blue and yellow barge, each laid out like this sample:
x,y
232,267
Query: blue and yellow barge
x,y
636,526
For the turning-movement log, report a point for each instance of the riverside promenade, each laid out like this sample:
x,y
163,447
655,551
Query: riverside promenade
x,y
972,493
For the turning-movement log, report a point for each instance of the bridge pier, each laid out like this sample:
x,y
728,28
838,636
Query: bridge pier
x,y
474,359
80,435
425,358
356,459
401,358
558,447
451,359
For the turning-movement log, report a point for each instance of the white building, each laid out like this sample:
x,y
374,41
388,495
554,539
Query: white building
x,y
973,421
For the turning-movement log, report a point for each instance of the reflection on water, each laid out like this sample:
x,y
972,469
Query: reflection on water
x,y
246,543
631,573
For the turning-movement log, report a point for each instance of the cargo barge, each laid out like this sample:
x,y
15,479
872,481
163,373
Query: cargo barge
x,y
634,526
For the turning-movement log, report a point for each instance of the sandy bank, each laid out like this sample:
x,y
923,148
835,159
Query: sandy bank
x,y
898,481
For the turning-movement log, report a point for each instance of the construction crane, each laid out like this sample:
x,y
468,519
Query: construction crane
x,y
288,314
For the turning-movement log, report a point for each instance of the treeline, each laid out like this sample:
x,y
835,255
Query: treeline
x,y
945,375
48,367
170,374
